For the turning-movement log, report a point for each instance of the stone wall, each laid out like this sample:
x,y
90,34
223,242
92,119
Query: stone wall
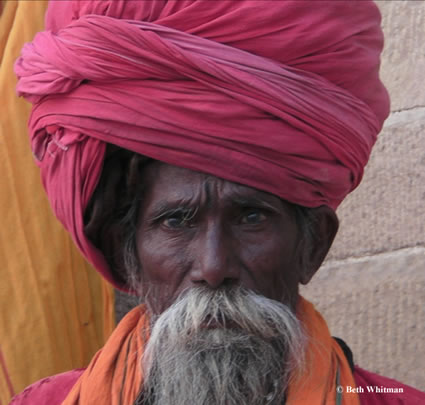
x,y
371,290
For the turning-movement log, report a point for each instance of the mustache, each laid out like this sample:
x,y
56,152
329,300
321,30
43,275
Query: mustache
x,y
202,307
200,310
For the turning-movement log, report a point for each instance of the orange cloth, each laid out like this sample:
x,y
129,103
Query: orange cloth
x,y
114,375
55,310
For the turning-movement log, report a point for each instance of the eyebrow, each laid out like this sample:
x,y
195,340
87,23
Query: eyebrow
x,y
163,208
190,205
253,201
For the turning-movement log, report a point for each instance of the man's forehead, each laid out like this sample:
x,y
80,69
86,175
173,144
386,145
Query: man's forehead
x,y
167,184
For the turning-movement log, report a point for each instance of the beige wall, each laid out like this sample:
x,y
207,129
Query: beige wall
x,y
372,288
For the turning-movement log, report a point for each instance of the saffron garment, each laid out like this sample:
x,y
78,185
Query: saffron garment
x,y
121,377
114,375
51,301
53,390
275,103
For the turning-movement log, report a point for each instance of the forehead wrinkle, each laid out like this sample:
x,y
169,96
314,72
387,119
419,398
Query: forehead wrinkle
x,y
207,185
218,190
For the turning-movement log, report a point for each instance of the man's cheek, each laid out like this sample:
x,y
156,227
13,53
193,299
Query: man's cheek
x,y
160,261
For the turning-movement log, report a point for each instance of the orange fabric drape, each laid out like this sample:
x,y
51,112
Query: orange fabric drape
x,y
114,375
55,310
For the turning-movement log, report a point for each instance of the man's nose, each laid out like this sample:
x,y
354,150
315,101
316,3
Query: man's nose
x,y
215,263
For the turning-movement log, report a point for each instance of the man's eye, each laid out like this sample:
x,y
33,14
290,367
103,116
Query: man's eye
x,y
253,217
175,221
180,219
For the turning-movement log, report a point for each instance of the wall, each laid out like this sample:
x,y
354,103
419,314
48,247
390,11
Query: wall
x,y
372,287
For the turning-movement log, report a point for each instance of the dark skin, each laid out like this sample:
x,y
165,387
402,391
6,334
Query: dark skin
x,y
198,230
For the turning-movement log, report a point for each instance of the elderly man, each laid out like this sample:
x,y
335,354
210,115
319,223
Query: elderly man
x,y
197,151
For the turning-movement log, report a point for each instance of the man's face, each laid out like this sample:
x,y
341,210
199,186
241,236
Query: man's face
x,y
198,230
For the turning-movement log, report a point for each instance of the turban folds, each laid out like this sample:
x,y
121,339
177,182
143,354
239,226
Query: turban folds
x,y
282,96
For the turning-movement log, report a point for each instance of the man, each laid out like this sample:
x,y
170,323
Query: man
x,y
196,151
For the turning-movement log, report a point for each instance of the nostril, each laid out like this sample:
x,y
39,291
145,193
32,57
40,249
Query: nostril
x,y
230,282
201,283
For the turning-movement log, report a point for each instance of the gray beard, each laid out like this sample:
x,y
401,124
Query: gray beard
x,y
222,347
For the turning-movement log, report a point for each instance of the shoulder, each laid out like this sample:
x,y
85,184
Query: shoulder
x,y
48,391
379,390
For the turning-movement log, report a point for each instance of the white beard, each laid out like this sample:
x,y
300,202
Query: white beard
x,y
222,347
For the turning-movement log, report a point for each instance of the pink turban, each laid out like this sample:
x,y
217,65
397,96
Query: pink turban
x,y
283,96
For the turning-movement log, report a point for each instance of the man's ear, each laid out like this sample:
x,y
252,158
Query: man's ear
x,y
323,224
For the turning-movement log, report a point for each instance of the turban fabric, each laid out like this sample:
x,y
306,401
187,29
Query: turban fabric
x,y
282,96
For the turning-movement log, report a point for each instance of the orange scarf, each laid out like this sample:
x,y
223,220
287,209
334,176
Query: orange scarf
x,y
114,375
